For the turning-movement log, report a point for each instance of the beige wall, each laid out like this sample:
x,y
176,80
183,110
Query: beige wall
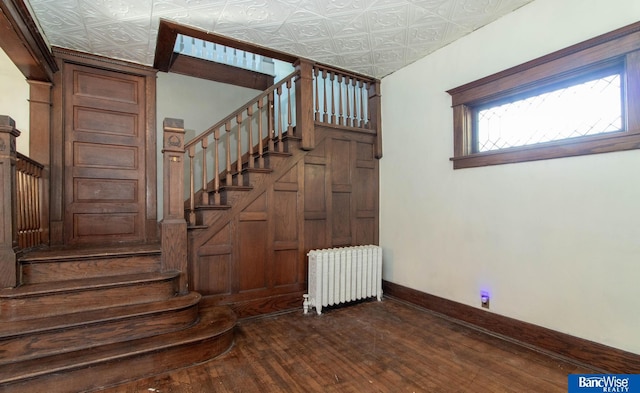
x,y
14,100
556,242
200,103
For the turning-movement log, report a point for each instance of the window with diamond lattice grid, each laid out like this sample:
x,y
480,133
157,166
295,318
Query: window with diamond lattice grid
x,y
585,108
580,100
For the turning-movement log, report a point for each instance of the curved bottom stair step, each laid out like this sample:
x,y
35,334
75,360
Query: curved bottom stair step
x,y
35,338
112,364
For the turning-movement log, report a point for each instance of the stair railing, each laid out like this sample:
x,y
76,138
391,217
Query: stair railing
x,y
21,193
346,100
240,141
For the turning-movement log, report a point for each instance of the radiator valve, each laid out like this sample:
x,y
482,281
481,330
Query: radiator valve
x,y
305,302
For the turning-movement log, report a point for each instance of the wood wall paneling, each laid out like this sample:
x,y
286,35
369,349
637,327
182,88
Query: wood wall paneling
x,y
214,272
253,255
327,198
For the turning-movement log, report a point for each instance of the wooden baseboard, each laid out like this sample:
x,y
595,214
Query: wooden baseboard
x,y
603,358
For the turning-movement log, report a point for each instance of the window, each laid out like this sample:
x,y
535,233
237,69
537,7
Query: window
x,y
584,99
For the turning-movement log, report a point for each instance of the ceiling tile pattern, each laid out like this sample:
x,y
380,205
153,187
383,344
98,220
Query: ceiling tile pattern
x,y
372,37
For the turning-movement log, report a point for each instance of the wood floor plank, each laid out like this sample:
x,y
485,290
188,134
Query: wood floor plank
x,y
386,346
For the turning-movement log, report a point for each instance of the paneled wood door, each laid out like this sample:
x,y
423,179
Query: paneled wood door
x,y
105,156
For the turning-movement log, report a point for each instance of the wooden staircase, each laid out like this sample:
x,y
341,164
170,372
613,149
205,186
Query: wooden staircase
x,y
237,189
86,319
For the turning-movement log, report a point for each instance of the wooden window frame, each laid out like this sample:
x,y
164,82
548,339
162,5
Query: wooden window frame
x,y
619,47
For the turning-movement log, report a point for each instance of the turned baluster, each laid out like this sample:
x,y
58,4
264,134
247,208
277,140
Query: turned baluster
x,y
239,180
192,195
280,121
332,76
340,112
20,201
227,128
216,167
347,83
250,163
205,190
289,113
260,134
29,186
325,117
353,121
363,118
316,73
270,125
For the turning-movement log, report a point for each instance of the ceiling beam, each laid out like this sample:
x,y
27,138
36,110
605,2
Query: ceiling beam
x,y
22,42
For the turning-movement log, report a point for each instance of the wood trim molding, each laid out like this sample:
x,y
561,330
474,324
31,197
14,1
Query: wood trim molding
x,y
617,52
168,31
23,43
601,357
83,58
218,72
581,46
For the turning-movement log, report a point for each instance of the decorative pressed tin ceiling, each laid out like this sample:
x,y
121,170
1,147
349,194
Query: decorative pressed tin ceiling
x,y
372,37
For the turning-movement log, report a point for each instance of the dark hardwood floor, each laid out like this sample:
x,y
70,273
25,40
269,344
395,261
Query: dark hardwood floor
x,y
373,346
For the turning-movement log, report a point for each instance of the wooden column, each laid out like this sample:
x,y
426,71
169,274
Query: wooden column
x,y
173,224
40,143
375,115
305,126
8,227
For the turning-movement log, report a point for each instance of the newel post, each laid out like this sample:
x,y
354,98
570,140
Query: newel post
x,y
375,115
305,125
173,224
8,203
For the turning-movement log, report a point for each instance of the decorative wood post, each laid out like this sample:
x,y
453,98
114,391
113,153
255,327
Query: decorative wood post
x,y
40,143
375,115
173,224
305,126
8,226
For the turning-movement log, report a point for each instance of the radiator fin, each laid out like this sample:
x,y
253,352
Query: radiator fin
x,y
341,275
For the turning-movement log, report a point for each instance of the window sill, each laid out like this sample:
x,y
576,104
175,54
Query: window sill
x,y
549,150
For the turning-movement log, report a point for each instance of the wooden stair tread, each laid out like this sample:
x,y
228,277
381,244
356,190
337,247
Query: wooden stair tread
x,y
83,318
213,322
235,188
257,170
212,207
38,289
79,253
277,153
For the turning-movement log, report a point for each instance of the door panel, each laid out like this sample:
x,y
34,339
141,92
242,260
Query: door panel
x,y
105,172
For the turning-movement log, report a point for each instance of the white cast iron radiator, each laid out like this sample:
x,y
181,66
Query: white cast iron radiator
x,y
339,275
